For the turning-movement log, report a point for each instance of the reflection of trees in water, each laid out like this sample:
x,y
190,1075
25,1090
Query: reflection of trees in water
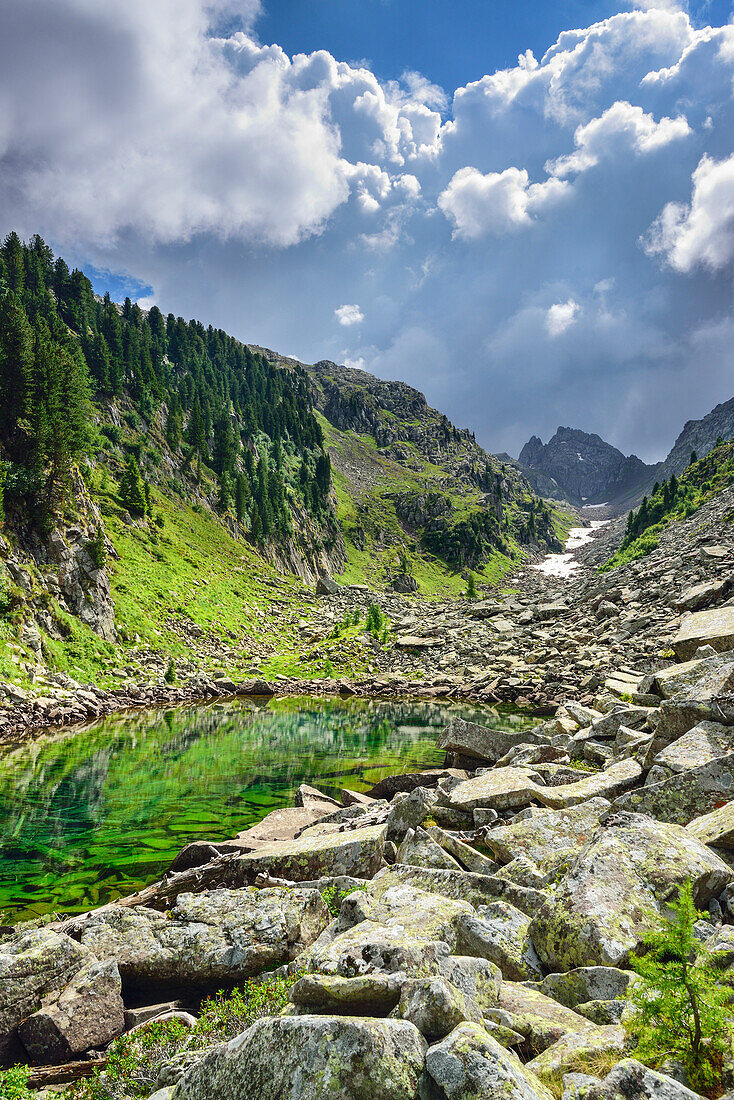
x,y
119,798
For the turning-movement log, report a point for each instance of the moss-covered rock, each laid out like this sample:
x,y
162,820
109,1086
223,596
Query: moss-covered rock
x,y
582,1052
500,932
436,1006
548,837
471,1065
540,1019
311,1058
617,891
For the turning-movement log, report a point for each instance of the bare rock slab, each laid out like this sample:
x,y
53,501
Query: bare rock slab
x,y
699,628
470,1065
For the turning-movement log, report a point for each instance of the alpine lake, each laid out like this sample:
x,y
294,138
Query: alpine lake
x,y
93,813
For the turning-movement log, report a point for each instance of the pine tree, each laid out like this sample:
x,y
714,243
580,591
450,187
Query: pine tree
x,y
132,489
16,360
682,1009
241,496
471,587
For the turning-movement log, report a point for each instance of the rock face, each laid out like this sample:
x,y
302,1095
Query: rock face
x,y
585,467
699,436
33,964
214,937
617,888
88,1013
312,1057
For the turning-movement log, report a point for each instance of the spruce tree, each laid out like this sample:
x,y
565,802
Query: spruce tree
x,y
16,360
132,489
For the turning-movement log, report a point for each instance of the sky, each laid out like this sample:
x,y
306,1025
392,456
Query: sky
x,y
524,208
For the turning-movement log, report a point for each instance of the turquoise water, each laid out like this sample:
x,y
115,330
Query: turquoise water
x,y
90,815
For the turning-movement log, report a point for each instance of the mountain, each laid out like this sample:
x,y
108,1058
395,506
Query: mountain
x,y
585,469
413,491
700,436
159,480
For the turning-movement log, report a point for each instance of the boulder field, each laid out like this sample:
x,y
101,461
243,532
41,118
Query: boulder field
x,y
487,920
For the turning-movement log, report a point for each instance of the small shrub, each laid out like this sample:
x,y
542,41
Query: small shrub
x,y
227,1015
334,897
682,1009
170,674
14,1083
134,1062
96,549
471,587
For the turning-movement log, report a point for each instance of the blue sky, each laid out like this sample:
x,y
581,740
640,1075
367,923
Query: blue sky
x,y
525,209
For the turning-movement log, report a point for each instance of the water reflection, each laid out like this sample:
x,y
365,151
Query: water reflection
x,y
91,815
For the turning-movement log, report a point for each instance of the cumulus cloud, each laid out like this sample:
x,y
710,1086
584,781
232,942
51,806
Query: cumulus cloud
x,y
349,315
702,232
561,316
622,127
497,202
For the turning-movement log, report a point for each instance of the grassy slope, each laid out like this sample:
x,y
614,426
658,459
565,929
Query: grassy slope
x,y
364,480
697,484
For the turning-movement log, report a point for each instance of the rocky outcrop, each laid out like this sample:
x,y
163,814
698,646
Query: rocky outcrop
x,y
587,469
699,436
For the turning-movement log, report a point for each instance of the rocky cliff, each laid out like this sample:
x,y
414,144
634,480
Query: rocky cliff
x,y
700,436
586,469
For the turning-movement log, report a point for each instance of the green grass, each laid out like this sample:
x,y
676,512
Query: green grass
x,y
699,483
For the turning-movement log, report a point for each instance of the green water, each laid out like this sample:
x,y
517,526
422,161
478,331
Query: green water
x,y
90,815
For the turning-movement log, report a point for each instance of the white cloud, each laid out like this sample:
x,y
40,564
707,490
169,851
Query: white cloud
x,y
353,364
561,316
497,202
621,127
349,315
702,232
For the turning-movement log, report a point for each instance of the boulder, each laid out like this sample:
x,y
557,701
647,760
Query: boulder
x,y
617,890
87,1013
633,1081
539,1019
573,1052
605,784
477,978
498,789
715,828
408,781
702,744
435,1006
684,796
464,855
214,937
586,983
703,595
462,885
483,742
408,811
420,850
311,1057
549,838
327,586
405,930
470,1065
699,628
33,964
500,932
363,995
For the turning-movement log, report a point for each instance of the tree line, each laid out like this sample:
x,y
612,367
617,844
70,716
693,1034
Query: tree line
x,y
66,355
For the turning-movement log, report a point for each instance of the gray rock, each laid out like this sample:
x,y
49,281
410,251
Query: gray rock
x,y
408,811
420,850
470,1065
311,1057
682,797
483,742
634,1081
714,628
87,1013
548,838
33,964
435,1006
618,888
500,932
208,938
586,983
